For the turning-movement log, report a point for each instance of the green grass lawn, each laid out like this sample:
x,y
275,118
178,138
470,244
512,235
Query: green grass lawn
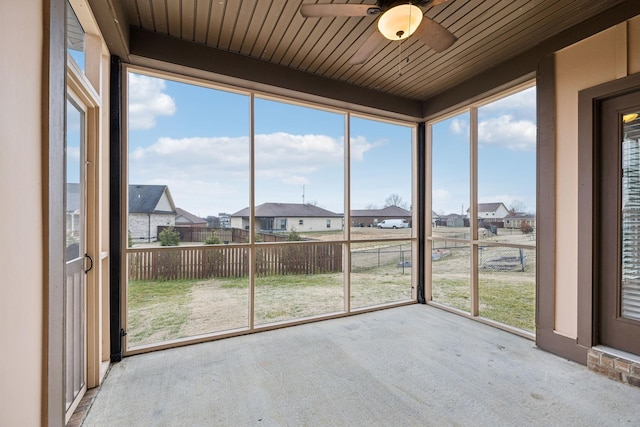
x,y
500,298
157,308
165,310
508,302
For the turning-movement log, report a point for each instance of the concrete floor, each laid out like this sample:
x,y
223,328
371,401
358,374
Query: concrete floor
x,y
414,365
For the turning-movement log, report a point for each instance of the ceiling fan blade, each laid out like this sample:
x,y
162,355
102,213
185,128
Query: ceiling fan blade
x,y
435,35
369,46
326,10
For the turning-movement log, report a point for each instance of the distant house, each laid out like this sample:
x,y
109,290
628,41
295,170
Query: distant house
x,y
516,220
371,217
150,206
224,220
453,220
435,219
492,211
271,217
187,219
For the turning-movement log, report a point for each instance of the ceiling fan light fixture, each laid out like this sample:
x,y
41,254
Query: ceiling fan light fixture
x,y
400,21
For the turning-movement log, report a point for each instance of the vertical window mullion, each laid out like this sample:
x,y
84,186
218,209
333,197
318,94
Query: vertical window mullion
x,y
252,212
473,209
417,231
346,247
428,208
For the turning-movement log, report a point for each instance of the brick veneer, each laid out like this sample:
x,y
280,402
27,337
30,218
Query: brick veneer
x,y
615,367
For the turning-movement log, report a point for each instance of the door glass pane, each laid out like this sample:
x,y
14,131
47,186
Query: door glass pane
x,y
75,38
630,239
74,288
74,193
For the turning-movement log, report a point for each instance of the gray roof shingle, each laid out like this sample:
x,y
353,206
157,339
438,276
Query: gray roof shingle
x,y
194,219
287,210
392,210
145,198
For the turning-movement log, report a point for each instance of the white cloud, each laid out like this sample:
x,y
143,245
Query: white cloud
x,y
459,126
507,132
147,101
210,174
359,146
296,151
73,154
521,104
295,180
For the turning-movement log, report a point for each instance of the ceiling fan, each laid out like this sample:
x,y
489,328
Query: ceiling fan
x,y
397,20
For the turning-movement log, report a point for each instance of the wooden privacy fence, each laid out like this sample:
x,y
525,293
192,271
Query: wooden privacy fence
x,y
228,235
203,262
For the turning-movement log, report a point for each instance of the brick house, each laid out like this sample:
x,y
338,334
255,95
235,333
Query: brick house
x,y
150,206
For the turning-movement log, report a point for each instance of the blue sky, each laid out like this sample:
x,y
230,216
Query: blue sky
x,y
506,155
73,143
196,141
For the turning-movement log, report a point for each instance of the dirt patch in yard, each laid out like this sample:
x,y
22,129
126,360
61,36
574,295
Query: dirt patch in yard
x,y
215,305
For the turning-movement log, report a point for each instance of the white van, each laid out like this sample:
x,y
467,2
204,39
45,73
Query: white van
x,y
393,223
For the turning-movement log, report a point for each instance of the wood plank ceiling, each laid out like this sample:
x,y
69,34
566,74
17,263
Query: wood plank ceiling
x,y
488,32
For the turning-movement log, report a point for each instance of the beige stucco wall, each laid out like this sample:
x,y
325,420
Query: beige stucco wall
x,y
21,266
634,45
601,58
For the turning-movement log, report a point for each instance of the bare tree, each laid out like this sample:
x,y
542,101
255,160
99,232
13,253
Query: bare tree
x,y
395,200
517,206
371,206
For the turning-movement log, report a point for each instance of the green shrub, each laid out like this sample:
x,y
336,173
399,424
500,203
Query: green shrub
x,y
257,238
169,237
212,240
293,236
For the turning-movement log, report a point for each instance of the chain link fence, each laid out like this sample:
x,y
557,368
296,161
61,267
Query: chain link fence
x,y
506,259
396,256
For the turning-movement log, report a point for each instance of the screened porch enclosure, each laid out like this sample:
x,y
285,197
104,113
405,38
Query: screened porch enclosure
x,y
267,187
